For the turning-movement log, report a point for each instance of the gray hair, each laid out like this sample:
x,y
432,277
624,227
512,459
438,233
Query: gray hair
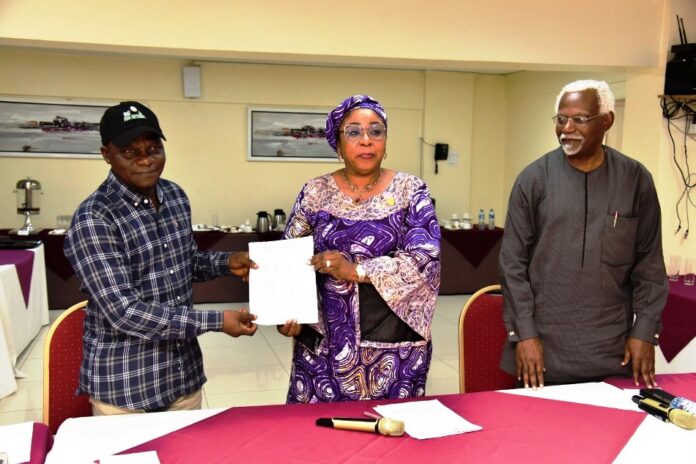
x,y
604,93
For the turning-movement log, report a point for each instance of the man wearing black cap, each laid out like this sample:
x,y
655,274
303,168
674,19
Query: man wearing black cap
x,y
131,244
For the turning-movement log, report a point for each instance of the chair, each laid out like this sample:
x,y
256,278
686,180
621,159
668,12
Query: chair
x,y
481,339
62,358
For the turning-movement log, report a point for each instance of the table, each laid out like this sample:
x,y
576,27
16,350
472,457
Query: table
x,y
64,286
469,259
677,340
569,423
23,306
226,289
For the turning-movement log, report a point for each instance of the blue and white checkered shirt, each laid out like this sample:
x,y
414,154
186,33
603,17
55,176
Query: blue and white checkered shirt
x,y
138,264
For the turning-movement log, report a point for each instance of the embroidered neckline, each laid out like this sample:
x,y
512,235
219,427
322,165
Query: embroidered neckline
x,y
365,190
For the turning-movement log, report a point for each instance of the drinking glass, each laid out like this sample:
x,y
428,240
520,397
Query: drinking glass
x,y
673,268
689,268
63,221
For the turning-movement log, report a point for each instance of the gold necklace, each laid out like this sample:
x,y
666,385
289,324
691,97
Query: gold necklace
x,y
355,189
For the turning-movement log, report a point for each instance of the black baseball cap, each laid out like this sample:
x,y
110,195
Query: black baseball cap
x,y
121,123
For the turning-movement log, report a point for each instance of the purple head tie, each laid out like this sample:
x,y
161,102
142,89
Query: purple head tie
x,y
336,116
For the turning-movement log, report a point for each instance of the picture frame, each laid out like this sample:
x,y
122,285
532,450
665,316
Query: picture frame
x,y
286,134
32,128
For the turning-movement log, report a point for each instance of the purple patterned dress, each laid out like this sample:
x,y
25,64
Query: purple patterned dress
x,y
396,238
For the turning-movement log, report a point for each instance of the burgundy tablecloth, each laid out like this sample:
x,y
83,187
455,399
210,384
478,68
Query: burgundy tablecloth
x,y
515,429
64,286
41,443
207,240
473,244
53,251
678,319
23,261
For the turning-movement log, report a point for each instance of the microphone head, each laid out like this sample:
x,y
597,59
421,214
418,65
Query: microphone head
x,y
683,419
390,427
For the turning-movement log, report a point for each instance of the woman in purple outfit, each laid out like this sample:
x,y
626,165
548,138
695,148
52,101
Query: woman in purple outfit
x,y
377,254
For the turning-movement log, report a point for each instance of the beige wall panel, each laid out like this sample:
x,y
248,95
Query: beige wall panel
x,y
495,31
448,119
488,146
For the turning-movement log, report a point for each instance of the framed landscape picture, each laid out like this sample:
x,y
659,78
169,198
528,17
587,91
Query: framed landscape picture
x,y
281,134
49,129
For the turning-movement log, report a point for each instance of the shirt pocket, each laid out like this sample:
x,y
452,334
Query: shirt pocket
x,y
619,240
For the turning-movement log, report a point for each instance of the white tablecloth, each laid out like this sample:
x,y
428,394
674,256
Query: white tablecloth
x,y
15,441
683,362
20,323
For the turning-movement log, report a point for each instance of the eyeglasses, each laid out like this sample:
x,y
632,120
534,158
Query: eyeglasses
x,y
355,132
132,153
561,120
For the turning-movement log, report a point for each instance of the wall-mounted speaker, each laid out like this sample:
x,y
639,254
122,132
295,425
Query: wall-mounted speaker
x,y
191,77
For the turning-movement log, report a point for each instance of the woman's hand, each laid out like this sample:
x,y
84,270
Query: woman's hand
x,y
332,262
290,329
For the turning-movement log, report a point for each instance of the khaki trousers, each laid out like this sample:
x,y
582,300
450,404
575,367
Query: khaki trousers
x,y
184,403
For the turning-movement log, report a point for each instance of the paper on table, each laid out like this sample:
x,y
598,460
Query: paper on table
x,y
594,393
427,419
146,457
284,286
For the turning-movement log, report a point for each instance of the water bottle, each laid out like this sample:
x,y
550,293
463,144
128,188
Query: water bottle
x,y
491,219
683,403
482,219
676,402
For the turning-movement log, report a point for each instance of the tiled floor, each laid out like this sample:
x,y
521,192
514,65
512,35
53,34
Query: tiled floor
x,y
244,371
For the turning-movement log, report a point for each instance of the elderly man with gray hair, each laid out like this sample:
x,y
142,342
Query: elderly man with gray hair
x,y
583,275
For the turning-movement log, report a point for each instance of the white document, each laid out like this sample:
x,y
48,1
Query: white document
x,y
284,286
594,393
146,457
427,419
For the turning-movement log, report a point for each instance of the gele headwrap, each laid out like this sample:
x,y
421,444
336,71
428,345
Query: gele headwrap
x,y
336,116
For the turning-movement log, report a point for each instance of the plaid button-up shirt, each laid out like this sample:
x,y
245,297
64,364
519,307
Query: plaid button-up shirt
x,y
137,264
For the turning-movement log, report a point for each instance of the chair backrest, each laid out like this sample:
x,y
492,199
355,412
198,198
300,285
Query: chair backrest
x,y
481,338
62,358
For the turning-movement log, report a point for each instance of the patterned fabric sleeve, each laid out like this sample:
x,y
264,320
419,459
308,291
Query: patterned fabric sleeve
x,y
300,225
409,280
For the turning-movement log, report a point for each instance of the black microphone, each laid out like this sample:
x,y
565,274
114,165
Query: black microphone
x,y
676,402
385,426
678,417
